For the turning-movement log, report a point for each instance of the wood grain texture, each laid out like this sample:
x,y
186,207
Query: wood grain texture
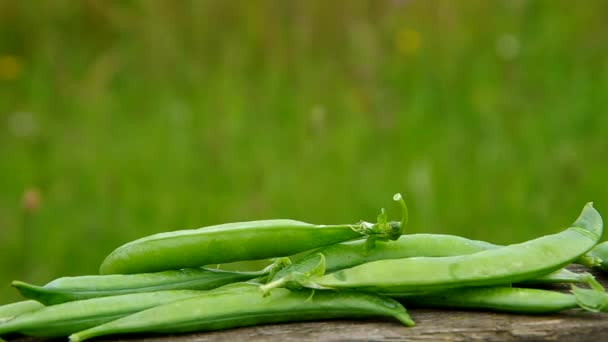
x,y
431,325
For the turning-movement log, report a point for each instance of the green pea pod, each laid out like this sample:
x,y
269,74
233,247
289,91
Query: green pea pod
x,y
214,311
599,254
498,266
64,319
509,299
240,241
349,254
560,276
77,288
12,310
56,292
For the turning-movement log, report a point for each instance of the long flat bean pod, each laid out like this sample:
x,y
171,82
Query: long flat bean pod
x,y
506,299
508,264
214,311
64,319
239,241
12,310
77,288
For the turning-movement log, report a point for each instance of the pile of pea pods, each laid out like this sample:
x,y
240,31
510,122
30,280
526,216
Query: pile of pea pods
x,y
159,284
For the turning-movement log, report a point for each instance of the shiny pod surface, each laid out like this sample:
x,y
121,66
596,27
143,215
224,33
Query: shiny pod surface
x,y
64,319
221,244
349,254
247,306
353,253
12,310
77,288
560,276
508,264
505,299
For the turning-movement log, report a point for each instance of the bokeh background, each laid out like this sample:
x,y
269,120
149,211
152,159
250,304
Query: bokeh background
x,y
120,119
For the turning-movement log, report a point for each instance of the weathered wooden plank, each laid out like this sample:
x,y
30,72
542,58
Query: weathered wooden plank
x,y
431,325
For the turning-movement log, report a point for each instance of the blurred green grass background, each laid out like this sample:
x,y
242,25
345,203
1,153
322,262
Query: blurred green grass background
x,y
120,119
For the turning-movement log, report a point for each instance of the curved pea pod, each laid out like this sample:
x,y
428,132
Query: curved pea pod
x,y
349,254
77,288
560,276
84,287
240,241
214,311
221,244
64,319
12,310
498,266
505,299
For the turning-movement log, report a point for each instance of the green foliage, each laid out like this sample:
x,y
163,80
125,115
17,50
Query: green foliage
x,y
122,119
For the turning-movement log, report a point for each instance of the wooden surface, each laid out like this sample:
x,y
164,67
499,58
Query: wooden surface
x,y
431,325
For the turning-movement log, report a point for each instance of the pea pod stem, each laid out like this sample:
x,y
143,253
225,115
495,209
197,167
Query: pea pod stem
x,y
405,212
384,229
